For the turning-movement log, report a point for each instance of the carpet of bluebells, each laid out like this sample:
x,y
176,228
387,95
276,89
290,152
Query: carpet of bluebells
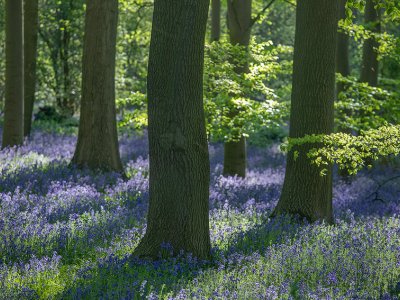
x,y
69,234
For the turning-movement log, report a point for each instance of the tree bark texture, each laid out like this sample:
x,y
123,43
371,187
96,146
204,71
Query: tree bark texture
x,y
97,146
31,23
342,52
239,27
179,162
13,131
370,64
215,20
305,192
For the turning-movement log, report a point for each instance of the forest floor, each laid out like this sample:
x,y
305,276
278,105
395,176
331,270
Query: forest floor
x,y
68,234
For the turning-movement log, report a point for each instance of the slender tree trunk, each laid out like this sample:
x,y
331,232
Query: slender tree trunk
x,y
61,66
179,162
305,192
239,26
69,105
97,146
215,20
343,68
13,132
31,23
370,64
342,52
68,99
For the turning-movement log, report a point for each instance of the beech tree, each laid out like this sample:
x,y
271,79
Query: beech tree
x,y
215,20
370,64
31,23
342,53
239,27
179,162
97,146
305,191
13,130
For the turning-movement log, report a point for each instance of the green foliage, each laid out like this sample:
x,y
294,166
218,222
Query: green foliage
x,y
240,103
362,107
133,44
277,23
389,44
391,8
350,152
64,127
133,111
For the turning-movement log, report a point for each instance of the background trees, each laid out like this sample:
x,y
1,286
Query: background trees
x,y
31,25
369,63
239,28
70,232
60,45
215,20
342,52
247,83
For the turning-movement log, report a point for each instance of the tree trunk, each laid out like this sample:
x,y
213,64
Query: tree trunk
x,y
342,52
215,20
305,192
239,26
13,132
31,23
179,162
370,64
65,99
97,146
343,68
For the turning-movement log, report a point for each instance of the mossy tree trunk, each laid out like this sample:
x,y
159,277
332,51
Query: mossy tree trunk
x,y
97,146
31,23
13,130
179,162
305,192
239,27
370,63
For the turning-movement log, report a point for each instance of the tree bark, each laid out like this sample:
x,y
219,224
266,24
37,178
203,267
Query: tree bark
x,y
97,146
215,20
370,64
179,162
13,132
239,27
343,68
342,52
31,23
305,192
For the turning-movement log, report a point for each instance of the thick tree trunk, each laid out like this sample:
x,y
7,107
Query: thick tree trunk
x,y
370,64
239,26
31,23
179,162
305,192
215,20
13,131
342,52
97,146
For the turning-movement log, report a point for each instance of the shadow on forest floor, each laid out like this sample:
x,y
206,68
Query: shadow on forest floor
x,y
131,278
